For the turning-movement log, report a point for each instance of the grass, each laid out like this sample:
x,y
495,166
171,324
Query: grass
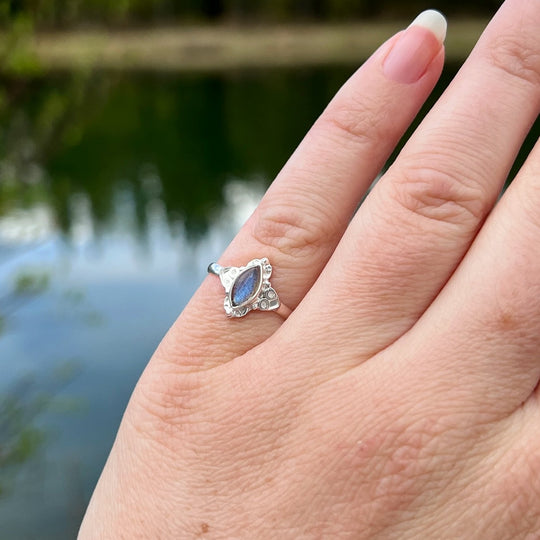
x,y
229,47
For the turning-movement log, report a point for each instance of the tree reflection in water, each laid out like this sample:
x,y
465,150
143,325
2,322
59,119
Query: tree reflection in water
x,y
173,138
21,436
22,404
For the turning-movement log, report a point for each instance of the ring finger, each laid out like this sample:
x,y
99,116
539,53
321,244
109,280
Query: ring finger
x,y
304,213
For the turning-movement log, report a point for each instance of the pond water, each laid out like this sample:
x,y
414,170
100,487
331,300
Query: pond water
x,y
116,190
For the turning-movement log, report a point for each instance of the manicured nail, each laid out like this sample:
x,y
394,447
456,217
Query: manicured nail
x,y
417,47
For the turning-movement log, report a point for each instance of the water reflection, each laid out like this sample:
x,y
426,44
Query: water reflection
x,y
176,139
104,300
90,135
115,193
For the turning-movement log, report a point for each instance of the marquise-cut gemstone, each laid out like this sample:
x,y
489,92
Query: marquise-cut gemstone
x,y
246,286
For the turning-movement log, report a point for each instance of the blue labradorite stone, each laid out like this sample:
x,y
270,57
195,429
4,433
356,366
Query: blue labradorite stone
x,y
246,286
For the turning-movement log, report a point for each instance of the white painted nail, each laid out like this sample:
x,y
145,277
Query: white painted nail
x,y
432,20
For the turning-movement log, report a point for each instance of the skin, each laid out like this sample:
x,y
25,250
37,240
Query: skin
x,y
399,399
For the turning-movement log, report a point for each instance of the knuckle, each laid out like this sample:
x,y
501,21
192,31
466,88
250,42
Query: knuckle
x,y
515,57
289,231
401,460
429,192
354,123
405,466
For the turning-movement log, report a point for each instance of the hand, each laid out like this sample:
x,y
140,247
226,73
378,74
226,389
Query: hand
x,y
399,399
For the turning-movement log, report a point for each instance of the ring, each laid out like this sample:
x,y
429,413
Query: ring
x,y
248,288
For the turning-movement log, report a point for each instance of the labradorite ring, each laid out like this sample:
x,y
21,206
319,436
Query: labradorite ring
x,y
248,288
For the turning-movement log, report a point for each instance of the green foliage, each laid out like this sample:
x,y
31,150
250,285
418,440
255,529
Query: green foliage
x,y
31,282
173,139
20,439
16,53
61,13
21,408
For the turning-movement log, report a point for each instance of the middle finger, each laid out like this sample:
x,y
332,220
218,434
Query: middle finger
x,y
416,225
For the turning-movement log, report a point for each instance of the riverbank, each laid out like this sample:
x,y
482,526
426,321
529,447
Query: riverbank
x,y
229,47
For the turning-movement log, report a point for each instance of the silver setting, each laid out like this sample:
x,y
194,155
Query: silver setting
x,y
265,297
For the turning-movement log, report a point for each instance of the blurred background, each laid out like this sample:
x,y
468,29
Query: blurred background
x,y
135,138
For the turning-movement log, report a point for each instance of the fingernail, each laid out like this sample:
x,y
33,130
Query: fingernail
x,y
416,48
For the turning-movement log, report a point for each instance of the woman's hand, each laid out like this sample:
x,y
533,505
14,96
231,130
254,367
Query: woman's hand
x,y
399,399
